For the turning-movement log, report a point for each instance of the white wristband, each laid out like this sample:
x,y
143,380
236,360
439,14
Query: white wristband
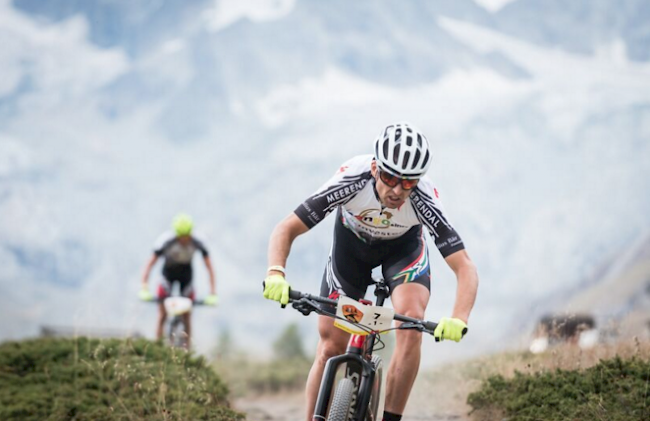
x,y
276,268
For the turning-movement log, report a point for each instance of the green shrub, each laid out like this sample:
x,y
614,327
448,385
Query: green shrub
x,y
613,390
90,379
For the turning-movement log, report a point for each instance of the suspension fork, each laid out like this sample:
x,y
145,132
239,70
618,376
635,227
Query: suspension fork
x,y
358,369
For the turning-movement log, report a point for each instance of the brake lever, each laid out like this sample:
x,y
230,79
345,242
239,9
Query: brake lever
x,y
412,325
303,306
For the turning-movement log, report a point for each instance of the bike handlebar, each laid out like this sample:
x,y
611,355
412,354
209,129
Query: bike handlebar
x,y
411,323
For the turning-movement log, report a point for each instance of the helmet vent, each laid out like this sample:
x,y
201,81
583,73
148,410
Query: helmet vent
x,y
416,158
405,161
396,154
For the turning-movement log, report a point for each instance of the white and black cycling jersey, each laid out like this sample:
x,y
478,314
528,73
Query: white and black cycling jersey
x,y
352,189
176,253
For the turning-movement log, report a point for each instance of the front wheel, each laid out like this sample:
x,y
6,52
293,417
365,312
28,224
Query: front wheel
x,y
340,408
177,333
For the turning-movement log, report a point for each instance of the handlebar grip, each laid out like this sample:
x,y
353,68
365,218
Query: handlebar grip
x,y
430,326
294,295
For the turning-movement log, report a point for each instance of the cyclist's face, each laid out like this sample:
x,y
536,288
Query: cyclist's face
x,y
391,197
184,239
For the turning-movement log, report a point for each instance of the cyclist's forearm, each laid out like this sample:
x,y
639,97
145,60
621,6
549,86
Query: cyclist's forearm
x,y
147,270
466,292
282,238
279,247
213,282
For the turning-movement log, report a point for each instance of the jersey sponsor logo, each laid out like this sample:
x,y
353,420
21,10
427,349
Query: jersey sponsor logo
x,y
426,212
454,240
342,169
435,191
345,191
376,221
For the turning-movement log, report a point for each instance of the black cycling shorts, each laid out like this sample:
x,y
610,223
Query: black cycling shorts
x,y
181,274
351,261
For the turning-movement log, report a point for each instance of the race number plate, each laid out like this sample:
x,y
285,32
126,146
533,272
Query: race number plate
x,y
373,317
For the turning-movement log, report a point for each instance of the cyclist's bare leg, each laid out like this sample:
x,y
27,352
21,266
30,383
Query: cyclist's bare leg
x,y
333,341
187,320
410,300
162,316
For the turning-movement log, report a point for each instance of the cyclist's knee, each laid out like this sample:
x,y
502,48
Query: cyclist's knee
x,y
414,311
328,348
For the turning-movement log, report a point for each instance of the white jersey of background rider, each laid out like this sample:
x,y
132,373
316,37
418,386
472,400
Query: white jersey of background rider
x,y
352,189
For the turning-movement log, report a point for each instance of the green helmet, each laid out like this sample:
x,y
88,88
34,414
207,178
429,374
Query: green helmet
x,y
183,224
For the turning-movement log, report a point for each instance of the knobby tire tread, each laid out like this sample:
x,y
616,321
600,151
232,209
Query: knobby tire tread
x,y
340,408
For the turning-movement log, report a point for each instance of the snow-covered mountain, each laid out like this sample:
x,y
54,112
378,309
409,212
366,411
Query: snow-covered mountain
x,y
115,115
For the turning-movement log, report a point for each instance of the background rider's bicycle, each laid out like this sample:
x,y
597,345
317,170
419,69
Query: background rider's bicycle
x,y
357,395
177,309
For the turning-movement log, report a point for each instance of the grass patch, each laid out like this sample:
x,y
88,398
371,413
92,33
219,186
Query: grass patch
x,y
613,390
89,379
452,383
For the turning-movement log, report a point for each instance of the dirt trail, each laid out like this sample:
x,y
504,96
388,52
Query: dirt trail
x,y
423,405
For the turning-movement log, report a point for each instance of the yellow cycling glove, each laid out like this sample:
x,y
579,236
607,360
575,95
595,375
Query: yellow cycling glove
x,y
276,288
450,328
211,300
145,295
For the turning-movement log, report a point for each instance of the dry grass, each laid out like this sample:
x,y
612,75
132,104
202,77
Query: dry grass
x,y
444,390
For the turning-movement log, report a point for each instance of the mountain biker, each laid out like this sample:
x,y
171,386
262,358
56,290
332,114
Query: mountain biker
x,y
177,248
382,203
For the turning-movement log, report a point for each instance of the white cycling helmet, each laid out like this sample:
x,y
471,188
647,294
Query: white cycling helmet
x,y
402,150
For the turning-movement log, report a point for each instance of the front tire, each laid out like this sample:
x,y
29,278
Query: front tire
x,y
340,408
177,334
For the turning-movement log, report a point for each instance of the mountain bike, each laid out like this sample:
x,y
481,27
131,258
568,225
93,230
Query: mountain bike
x,y
357,395
177,308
